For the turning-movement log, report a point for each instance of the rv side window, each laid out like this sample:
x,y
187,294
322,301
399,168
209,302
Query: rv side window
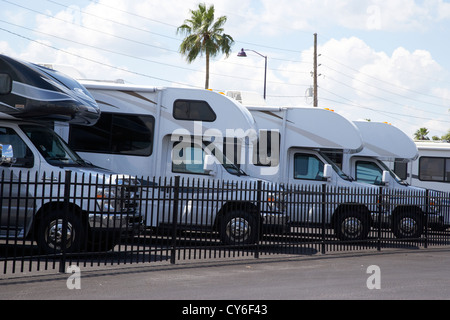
x,y
401,170
115,133
187,158
267,151
232,150
308,167
23,155
5,83
368,172
193,110
434,169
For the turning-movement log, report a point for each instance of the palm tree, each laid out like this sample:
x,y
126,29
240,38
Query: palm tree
x,y
421,134
204,36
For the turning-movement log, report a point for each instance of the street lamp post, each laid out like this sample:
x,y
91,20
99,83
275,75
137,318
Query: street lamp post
x,y
243,54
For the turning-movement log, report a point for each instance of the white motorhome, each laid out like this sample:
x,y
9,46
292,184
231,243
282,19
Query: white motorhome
x,y
431,169
313,143
38,162
304,136
384,145
169,132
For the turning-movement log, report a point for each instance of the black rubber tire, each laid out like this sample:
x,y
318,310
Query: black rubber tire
x,y
352,226
238,227
49,232
407,225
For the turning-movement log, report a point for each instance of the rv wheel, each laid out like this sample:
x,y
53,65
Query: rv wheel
x,y
238,227
407,225
351,226
50,233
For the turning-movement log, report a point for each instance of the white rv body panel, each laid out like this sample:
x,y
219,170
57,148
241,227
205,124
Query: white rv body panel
x,y
307,129
383,143
308,134
209,128
386,142
431,170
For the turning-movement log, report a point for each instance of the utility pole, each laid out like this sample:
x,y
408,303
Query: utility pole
x,y
315,70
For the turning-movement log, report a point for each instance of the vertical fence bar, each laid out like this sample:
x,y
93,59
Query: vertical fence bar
x,y
427,208
380,213
176,194
62,262
258,217
324,198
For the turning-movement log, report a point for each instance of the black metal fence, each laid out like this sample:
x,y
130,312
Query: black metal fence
x,y
55,221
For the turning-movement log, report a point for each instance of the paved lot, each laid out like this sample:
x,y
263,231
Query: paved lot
x,y
403,274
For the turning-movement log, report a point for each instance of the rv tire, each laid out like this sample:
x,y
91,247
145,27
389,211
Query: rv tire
x,y
407,224
238,227
352,226
50,229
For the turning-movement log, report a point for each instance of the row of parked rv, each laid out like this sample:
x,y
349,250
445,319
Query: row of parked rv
x,y
139,131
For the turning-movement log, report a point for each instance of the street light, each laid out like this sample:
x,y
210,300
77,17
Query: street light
x,y
243,54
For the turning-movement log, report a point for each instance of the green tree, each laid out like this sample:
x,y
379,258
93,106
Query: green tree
x,y
421,134
447,136
204,35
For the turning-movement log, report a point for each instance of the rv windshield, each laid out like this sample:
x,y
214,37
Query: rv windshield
x,y
336,168
224,161
396,177
55,151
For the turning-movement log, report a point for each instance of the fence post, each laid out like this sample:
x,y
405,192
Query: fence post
x,y
176,195
67,183
324,208
380,213
258,217
427,201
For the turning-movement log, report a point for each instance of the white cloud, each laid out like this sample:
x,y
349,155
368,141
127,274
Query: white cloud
x,y
382,87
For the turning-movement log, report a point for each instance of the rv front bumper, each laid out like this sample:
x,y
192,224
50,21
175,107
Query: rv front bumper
x,y
275,222
121,223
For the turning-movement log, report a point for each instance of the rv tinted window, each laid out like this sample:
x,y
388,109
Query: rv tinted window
x,y
116,134
5,83
187,158
308,167
193,110
401,170
368,172
434,169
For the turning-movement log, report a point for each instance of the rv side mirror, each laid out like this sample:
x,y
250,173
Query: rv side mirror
x,y
385,178
6,154
327,172
209,165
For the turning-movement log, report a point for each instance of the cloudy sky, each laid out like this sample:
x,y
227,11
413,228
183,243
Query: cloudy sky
x,y
379,60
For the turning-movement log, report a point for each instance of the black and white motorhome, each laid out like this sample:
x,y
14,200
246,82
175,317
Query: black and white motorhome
x,y
31,97
31,91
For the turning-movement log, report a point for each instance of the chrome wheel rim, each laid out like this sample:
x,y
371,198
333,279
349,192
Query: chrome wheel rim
x,y
238,229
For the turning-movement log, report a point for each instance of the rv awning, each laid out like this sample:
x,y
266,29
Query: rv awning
x,y
386,142
310,127
30,91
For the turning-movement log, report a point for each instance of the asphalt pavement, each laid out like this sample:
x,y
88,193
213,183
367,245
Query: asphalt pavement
x,y
387,275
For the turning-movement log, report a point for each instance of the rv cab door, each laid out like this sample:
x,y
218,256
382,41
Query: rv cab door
x,y
17,199
197,181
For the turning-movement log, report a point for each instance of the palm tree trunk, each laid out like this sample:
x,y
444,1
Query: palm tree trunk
x,y
207,70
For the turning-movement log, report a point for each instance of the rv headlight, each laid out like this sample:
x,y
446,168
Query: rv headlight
x,y
106,199
275,201
433,205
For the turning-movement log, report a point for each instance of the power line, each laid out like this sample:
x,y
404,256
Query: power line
x,y
385,90
95,61
377,79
